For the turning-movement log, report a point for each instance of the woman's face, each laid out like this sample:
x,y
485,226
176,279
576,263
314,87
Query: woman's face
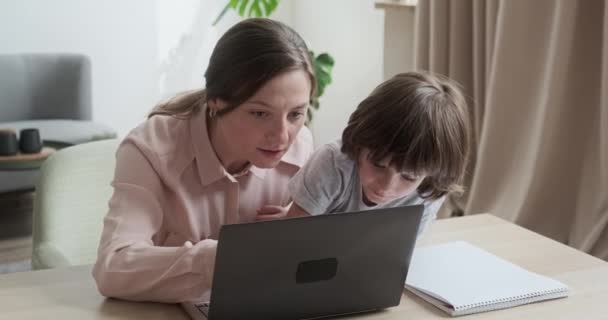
x,y
262,129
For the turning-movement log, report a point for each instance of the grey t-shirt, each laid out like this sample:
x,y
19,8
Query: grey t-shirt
x,y
329,183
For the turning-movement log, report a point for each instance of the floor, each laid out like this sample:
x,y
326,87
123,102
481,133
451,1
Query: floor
x,y
15,231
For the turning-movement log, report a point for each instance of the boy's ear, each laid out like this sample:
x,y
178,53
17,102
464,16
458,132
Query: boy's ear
x,y
427,181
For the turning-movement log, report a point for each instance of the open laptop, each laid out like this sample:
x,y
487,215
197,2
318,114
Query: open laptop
x,y
311,267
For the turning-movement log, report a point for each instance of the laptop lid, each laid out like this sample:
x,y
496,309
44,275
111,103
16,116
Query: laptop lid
x,y
313,266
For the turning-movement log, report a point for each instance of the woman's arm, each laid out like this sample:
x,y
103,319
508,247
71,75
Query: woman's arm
x,y
129,264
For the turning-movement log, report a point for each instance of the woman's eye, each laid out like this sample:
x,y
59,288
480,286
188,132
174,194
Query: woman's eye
x,y
259,114
296,115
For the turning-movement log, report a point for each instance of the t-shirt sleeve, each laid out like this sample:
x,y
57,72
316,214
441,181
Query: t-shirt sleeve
x,y
430,213
318,185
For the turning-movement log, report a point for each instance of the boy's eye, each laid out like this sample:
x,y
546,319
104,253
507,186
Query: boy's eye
x,y
407,177
378,165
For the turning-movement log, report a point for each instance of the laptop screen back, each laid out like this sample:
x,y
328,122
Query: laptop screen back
x,y
314,266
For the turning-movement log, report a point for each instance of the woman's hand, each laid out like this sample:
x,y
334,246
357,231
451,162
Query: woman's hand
x,y
269,212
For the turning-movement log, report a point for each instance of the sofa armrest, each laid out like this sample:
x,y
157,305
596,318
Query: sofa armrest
x,y
46,256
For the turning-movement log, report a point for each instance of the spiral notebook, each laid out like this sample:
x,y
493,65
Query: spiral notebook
x,y
461,279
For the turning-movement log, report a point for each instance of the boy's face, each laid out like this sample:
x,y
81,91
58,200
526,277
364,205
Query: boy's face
x,y
381,183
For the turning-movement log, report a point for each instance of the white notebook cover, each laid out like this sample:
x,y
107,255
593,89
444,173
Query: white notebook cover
x,y
460,279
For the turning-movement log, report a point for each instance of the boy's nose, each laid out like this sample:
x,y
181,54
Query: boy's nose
x,y
388,181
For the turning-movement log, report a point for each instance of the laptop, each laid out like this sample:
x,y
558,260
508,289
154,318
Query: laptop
x,y
311,267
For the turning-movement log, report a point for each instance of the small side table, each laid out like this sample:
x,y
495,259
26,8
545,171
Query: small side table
x,y
16,206
25,161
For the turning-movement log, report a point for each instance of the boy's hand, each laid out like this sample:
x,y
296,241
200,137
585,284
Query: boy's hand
x,y
269,212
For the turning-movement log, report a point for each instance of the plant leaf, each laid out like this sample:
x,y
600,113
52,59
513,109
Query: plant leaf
x,y
323,65
242,7
270,6
325,59
257,8
255,11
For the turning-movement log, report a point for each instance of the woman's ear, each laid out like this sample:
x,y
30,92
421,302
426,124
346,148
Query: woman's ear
x,y
212,105
216,104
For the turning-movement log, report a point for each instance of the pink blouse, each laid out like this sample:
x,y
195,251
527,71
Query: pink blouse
x,y
171,195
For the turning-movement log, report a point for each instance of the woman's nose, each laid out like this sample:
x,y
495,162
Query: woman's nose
x,y
279,131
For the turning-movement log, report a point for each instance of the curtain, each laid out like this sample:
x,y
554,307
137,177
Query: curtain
x,y
536,75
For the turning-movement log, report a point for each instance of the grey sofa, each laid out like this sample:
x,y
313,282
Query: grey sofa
x,y
51,92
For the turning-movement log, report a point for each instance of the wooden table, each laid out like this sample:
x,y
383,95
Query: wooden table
x,y
70,293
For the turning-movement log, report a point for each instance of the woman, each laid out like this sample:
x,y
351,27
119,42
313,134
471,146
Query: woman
x,y
216,156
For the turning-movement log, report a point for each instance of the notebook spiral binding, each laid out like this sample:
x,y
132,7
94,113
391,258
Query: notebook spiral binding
x,y
504,303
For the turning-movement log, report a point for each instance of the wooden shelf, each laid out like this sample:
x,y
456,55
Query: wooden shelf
x,y
399,31
396,4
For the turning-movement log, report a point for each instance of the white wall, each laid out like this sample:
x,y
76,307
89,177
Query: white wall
x,y
186,39
141,50
352,32
118,36
145,50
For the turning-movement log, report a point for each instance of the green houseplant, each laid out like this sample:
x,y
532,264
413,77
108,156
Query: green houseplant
x,y
322,63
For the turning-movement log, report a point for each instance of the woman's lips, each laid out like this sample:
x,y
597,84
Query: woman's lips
x,y
272,153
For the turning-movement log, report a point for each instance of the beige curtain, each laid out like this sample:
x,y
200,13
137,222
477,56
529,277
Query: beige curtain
x,y
536,73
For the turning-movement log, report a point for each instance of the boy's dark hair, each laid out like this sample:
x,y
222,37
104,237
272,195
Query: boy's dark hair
x,y
418,120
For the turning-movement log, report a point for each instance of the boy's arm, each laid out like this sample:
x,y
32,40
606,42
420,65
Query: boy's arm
x,y
315,187
277,212
296,211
